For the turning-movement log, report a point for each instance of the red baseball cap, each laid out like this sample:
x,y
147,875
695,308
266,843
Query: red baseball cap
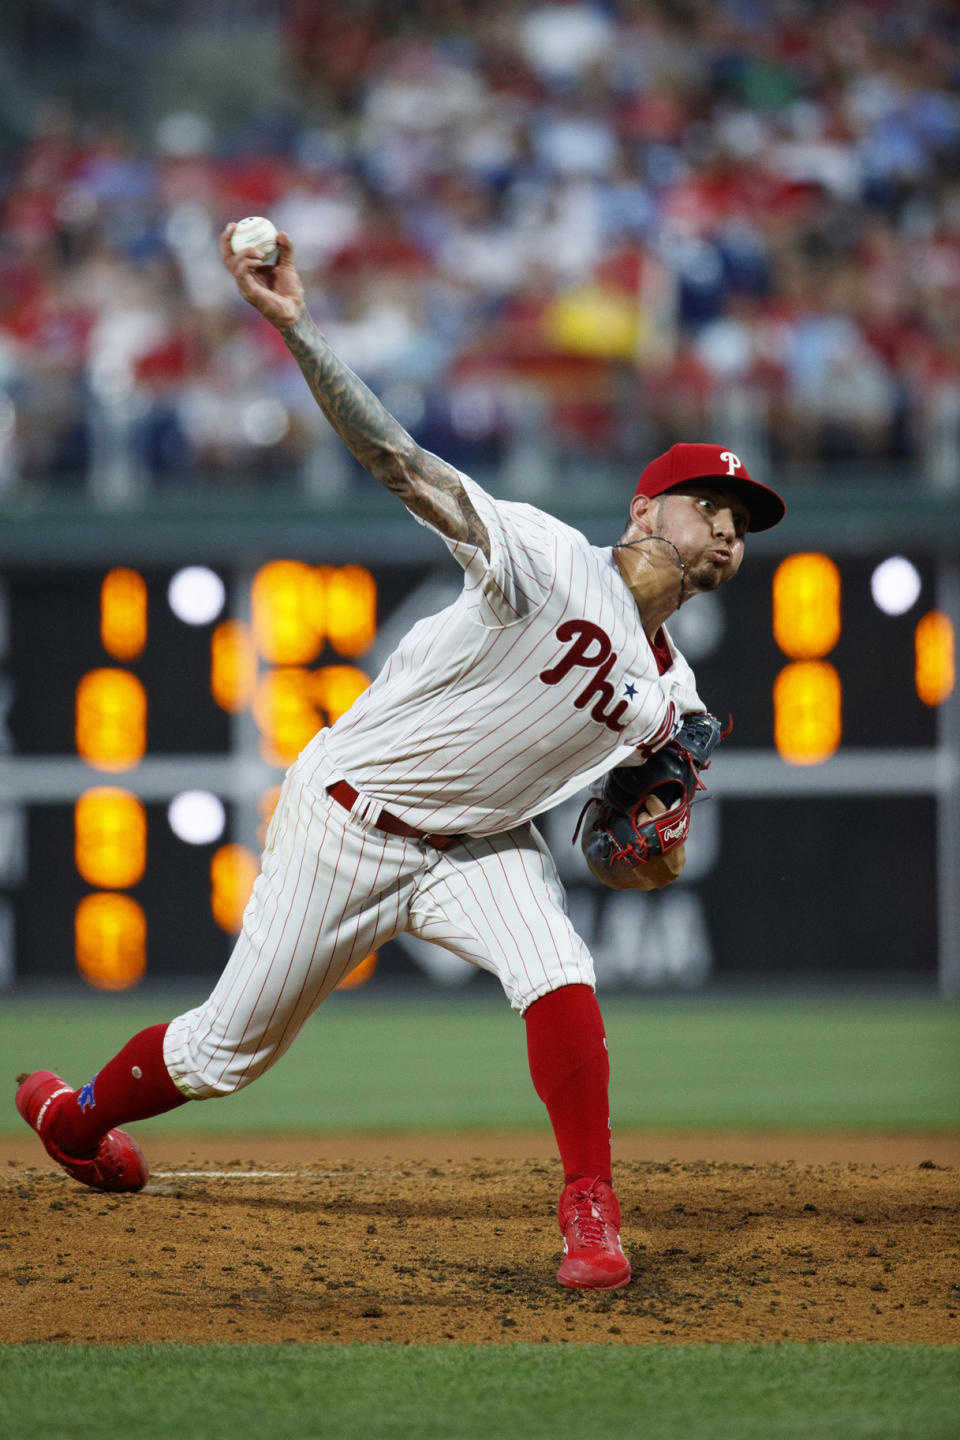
x,y
683,464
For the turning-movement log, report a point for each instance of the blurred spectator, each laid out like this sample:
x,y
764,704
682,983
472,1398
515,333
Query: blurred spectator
x,y
606,222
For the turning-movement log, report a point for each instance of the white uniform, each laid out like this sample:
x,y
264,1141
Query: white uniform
x,y
535,682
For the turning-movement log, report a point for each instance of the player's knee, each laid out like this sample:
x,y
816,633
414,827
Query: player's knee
x,y
522,992
206,1073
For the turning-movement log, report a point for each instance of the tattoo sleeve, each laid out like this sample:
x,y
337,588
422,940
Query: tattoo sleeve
x,y
426,484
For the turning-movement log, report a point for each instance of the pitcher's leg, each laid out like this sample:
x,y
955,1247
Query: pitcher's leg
x,y
314,915
567,1050
499,904
570,1069
330,890
77,1127
134,1085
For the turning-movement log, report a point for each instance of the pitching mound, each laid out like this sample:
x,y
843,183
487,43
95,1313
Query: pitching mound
x,y
431,1250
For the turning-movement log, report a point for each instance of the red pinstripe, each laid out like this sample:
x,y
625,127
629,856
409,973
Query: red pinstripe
x,y
481,911
268,971
371,890
240,978
533,896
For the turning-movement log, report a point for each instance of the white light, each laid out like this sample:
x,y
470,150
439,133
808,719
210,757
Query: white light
x,y
196,595
8,418
197,816
265,422
895,585
699,629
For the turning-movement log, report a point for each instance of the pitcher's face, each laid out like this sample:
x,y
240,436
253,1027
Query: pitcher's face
x,y
707,523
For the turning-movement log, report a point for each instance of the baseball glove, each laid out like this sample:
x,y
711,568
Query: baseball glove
x,y
672,773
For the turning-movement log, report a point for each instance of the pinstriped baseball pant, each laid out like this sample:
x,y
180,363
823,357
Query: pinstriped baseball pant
x,y
331,889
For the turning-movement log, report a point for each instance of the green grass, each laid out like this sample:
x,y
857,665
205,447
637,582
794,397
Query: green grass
x,y
679,1063
684,1392
381,1063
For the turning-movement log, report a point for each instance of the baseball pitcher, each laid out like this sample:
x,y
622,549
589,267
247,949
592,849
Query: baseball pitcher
x,y
552,673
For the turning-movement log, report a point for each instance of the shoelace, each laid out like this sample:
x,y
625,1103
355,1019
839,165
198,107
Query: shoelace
x,y
588,1218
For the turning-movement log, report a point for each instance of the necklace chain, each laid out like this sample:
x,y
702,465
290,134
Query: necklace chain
x,y
625,545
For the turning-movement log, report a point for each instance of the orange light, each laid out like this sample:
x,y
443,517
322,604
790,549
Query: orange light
x,y
123,613
284,607
360,976
233,869
934,654
233,666
266,805
351,609
110,838
111,719
806,606
110,936
285,713
295,608
807,704
335,687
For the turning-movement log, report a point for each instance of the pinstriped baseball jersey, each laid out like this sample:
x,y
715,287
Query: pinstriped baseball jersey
x,y
535,681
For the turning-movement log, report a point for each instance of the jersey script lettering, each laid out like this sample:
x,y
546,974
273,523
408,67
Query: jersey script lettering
x,y
592,649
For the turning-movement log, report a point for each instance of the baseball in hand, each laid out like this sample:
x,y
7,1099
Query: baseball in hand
x,y
255,233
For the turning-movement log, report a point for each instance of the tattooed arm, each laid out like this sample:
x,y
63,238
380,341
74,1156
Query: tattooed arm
x,y
426,484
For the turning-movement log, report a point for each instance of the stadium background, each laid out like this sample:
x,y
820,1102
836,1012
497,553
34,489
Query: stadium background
x,y
555,239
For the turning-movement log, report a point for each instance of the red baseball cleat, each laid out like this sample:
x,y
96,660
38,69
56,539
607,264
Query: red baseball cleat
x,y
593,1257
118,1163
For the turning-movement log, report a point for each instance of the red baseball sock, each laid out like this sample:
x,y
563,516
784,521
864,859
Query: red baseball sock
x,y
134,1085
567,1050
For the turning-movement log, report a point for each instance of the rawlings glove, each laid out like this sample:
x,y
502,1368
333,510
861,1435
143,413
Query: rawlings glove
x,y
672,773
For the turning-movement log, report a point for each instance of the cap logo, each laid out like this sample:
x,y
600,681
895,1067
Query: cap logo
x,y
732,461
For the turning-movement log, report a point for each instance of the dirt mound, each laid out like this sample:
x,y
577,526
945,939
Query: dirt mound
x,y
429,1250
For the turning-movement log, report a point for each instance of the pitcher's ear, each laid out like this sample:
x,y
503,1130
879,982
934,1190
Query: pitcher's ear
x,y
640,505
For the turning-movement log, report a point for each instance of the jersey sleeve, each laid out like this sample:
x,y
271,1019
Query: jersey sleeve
x,y
524,554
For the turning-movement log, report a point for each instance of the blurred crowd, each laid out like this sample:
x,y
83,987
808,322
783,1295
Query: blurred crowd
x,y
560,232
